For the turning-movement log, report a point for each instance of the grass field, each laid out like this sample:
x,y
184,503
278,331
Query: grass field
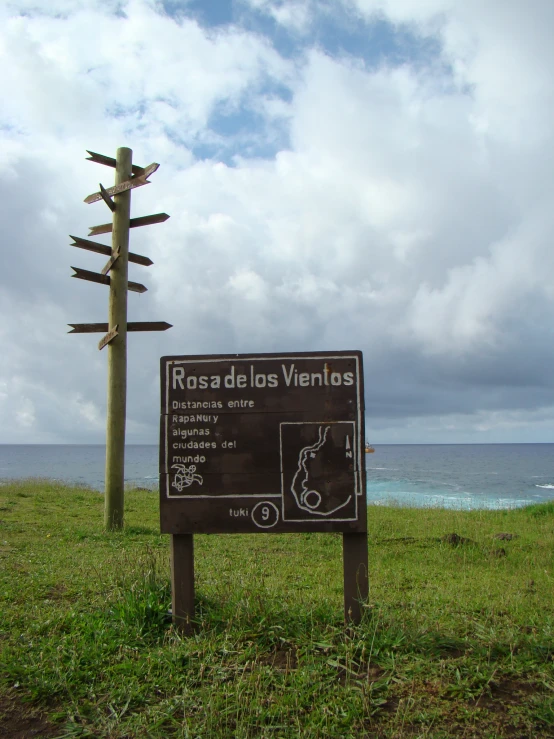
x,y
457,637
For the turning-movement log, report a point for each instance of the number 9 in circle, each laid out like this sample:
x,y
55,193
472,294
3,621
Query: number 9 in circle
x,y
265,515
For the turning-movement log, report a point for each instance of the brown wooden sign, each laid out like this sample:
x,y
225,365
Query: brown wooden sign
x,y
106,197
106,228
137,181
101,328
266,442
110,263
102,249
111,162
87,274
110,336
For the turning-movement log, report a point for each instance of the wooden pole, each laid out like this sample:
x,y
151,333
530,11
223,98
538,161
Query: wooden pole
x,y
182,581
355,566
117,350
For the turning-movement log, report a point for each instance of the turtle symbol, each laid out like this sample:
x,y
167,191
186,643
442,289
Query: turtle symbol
x,y
185,476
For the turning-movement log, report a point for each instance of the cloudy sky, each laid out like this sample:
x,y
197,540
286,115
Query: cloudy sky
x,y
340,174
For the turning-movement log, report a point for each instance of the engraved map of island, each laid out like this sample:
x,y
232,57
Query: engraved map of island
x,y
318,471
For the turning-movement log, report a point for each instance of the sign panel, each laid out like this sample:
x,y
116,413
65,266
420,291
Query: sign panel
x,y
265,442
107,250
106,228
138,181
86,274
92,328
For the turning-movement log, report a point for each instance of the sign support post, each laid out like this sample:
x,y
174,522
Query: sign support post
x,y
182,581
117,349
355,566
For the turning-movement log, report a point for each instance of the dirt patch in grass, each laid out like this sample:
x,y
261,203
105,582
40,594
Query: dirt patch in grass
x,y
21,721
285,659
504,693
456,540
280,659
56,592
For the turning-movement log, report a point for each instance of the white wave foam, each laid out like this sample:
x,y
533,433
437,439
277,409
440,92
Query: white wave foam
x,y
455,502
547,487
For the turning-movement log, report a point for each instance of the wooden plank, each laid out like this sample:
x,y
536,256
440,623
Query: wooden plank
x,y
100,328
182,582
110,263
136,287
148,220
110,336
91,245
104,194
106,228
148,326
85,274
102,249
192,484
123,186
244,515
88,328
150,169
258,442
355,569
215,485
110,161
138,259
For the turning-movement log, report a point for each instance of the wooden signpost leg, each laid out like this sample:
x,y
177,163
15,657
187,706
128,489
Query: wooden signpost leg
x,y
117,350
182,581
356,584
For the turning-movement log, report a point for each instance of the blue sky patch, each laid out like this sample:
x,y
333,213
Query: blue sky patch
x,y
332,28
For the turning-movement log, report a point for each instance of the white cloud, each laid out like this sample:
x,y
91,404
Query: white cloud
x,y
409,214
149,75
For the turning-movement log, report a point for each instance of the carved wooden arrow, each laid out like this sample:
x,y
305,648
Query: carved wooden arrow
x,y
106,228
110,162
138,181
110,263
104,194
110,336
98,328
102,249
85,274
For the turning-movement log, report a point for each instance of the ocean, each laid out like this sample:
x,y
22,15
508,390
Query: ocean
x,y
461,476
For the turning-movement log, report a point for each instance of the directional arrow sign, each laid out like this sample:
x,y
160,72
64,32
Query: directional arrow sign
x,y
111,261
110,162
123,186
99,328
104,194
88,328
110,336
102,249
106,228
85,274
148,326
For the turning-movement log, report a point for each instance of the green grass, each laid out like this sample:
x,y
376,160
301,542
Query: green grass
x,y
457,639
